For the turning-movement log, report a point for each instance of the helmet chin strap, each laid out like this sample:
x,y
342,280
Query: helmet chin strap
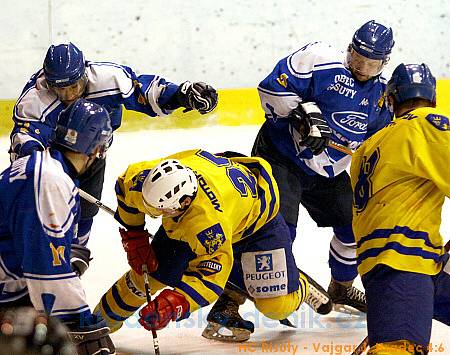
x,y
87,164
97,153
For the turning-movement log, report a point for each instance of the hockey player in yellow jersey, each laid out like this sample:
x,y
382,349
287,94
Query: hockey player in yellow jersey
x,y
220,223
400,178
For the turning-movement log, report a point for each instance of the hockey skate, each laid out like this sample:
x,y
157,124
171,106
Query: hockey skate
x,y
346,298
318,299
224,321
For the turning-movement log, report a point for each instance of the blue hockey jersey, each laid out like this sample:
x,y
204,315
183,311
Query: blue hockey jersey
x,y
354,110
39,210
110,85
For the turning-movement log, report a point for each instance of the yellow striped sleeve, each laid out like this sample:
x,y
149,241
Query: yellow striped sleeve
x,y
127,214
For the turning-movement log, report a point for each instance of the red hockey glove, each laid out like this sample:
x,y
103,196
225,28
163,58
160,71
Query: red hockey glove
x,y
139,251
168,305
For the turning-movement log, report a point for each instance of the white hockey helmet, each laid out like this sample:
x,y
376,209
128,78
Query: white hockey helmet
x,y
165,186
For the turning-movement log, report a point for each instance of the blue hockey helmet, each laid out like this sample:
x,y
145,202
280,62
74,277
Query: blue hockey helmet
x,y
373,40
411,81
63,65
83,126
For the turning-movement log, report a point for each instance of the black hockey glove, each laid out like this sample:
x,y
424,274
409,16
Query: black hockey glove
x,y
314,131
80,257
194,96
93,339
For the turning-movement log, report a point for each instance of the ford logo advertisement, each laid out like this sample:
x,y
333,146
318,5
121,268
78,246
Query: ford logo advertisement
x,y
350,121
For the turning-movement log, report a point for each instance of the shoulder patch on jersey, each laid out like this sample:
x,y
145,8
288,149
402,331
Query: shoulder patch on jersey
x,y
439,121
212,238
282,80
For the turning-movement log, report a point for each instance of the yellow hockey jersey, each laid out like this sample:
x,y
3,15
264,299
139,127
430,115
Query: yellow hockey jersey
x,y
400,177
235,198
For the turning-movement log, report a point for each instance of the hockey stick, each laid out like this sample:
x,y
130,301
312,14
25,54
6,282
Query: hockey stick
x,y
96,202
149,300
361,349
340,147
105,208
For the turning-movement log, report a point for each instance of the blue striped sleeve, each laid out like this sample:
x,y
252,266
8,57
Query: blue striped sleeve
x,y
127,208
198,298
109,311
120,302
406,231
401,249
212,286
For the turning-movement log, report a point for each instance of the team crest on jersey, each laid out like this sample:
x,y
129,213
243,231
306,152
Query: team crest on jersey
x,y
212,238
350,121
282,80
138,180
438,121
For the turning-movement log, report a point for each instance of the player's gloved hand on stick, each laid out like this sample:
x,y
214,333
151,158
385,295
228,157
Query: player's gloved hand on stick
x,y
168,305
197,96
308,120
92,339
80,256
139,251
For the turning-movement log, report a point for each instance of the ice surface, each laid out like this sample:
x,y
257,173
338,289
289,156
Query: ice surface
x,y
331,334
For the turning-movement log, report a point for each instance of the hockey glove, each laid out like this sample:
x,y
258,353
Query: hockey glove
x,y
197,96
80,257
139,251
92,340
25,331
22,149
314,131
168,305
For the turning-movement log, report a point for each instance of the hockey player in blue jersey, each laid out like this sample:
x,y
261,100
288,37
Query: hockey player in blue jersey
x,y
312,96
39,211
67,76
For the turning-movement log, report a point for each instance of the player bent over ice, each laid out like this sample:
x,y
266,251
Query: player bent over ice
x,y
41,258
220,222
400,178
